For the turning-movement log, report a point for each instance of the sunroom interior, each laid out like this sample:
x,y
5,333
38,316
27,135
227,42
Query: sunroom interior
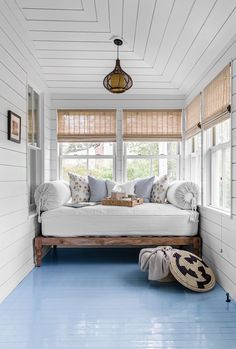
x,y
57,116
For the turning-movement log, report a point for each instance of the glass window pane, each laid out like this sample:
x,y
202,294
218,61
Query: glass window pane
x,y
217,198
168,148
138,168
154,148
78,166
222,132
100,148
33,174
189,146
173,148
74,148
138,148
172,169
36,139
30,115
226,179
100,168
155,167
87,148
197,143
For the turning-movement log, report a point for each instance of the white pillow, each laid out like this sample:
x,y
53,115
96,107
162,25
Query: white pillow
x,y
127,187
183,194
79,188
51,195
159,190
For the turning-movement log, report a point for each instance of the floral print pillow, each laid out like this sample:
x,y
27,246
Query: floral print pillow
x,y
159,190
79,188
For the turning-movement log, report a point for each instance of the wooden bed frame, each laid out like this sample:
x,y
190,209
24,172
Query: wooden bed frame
x,y
119,241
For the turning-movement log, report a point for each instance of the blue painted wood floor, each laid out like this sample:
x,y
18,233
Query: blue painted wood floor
x,y
98,299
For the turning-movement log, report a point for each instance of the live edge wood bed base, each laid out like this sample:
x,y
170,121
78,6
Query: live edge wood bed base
x,y
119,241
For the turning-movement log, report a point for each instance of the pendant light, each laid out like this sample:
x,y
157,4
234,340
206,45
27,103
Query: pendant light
x,y
118,81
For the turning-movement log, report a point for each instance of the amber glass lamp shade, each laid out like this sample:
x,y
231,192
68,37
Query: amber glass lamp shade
x,y
117,81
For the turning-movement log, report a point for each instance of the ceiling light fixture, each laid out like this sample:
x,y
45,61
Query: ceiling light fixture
x,y
118,81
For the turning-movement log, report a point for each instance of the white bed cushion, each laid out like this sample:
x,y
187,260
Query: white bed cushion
x,y
51,195
183,194
147,219
79,188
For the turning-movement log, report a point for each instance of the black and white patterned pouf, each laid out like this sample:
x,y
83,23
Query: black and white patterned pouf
x,y
191,271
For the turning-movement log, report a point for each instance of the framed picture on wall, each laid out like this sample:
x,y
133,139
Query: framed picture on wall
x,y
14,127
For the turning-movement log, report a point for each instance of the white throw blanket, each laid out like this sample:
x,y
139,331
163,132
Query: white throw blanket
x,y
156,261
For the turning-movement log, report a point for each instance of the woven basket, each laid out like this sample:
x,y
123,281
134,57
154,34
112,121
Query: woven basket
x,y
191,271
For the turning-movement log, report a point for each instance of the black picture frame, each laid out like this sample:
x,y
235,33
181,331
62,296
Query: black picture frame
x,y
14,127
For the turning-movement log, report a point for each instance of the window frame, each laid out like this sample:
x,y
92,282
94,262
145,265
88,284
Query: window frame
x,y
151,157
38,150
211,149
191,155
32,146
87,157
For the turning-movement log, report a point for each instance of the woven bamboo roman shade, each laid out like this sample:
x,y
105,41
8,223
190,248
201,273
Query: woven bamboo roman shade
x,y
217,98
86,125
152,125
193,113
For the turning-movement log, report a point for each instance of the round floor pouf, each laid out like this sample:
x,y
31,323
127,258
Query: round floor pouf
x,y
191,271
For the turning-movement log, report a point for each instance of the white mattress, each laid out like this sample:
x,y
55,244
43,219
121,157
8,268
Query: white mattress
x,y
143,220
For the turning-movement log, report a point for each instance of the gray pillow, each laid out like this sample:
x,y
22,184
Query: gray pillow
x,y
98,189
143,188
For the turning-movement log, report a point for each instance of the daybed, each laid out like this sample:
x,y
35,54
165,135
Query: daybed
x,y
145,225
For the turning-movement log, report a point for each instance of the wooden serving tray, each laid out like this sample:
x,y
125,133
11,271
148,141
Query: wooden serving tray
x,y
122,202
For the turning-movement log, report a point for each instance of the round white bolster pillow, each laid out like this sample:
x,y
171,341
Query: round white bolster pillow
x,y
183,194
51,195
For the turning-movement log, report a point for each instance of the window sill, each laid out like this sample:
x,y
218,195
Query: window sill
x,y
32,214
34,147
216,210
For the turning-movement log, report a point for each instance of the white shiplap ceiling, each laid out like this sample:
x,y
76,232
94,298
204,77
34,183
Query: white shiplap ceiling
x,y
168,43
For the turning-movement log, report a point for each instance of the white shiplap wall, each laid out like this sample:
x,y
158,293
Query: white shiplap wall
x,y
73,101
218,230
18,66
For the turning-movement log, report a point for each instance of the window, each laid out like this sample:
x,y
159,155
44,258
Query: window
x,y
34,150
95,159
87,142
143,159
193,159
33,118
216,126
220,165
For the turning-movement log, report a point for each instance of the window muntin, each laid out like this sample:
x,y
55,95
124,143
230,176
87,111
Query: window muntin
x,y
220,166
95,159
143,159
193,159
